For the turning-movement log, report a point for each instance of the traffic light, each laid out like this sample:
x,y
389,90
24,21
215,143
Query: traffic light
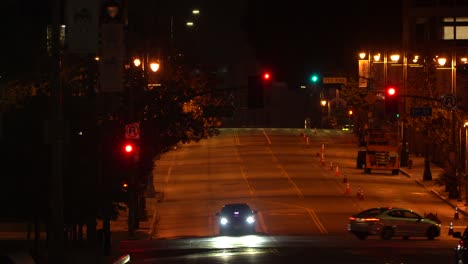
x,y
391,102
129,148
314,78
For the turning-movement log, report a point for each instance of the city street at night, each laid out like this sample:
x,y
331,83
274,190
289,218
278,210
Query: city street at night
x,y
302,206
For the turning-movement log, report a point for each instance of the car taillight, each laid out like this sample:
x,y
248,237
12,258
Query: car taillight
x,y
352,218
372,219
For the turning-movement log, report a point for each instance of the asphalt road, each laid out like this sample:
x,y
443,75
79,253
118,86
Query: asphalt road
x,y
303,206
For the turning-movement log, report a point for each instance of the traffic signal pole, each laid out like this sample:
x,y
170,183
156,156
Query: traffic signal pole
x,y
55,234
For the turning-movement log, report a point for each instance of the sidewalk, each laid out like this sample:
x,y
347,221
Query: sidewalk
x,y
416,173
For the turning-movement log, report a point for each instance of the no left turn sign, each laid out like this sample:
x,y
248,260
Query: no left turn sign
x,y
132,131
449,101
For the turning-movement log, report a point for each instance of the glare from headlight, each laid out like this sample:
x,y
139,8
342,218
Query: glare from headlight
x,y
223,221
250,219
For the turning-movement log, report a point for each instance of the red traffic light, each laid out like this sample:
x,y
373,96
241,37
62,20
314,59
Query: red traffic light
x,y
128,148
266,76
391,91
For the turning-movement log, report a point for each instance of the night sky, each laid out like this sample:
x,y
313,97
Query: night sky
x,y
299,37
293,38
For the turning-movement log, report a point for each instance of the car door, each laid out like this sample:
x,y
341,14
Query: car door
x,y
413,223
397,222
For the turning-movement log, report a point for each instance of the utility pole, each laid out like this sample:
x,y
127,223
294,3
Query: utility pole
x,y
56,129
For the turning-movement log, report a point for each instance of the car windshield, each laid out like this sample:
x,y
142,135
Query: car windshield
x,y
236,209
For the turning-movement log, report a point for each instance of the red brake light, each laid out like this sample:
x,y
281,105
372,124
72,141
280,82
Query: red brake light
x,y
461,244
352,218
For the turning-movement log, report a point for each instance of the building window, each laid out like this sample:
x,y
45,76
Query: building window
x,y
460,24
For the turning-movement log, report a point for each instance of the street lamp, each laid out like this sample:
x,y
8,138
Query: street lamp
x,y
137,62
154,66
442,61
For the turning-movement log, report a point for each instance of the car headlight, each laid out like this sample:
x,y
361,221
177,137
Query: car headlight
x,y
250,219
223,220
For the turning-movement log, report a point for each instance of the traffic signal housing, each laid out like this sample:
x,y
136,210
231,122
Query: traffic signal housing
x,y
391,102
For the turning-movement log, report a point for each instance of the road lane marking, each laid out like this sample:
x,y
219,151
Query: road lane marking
x,y
252,196
311,213
268,138
315,218
168,175
286,175
169,170
261,221
236,137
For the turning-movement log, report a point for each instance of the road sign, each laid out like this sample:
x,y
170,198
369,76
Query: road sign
x,y
334,80
449,101
132,131
421,111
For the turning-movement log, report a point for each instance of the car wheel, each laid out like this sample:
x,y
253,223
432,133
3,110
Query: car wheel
x,y
387,233
432,233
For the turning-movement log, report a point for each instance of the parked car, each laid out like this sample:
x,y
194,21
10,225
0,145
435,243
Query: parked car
x,y
461,254
388,222
236,218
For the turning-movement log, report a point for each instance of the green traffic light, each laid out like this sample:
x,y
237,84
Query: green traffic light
x,y
314,78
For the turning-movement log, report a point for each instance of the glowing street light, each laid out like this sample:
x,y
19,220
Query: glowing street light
x,y
137,62
154,66
442,61
189,24
196,11
377,57
395,57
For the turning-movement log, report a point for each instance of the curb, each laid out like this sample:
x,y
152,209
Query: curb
x,y
436,193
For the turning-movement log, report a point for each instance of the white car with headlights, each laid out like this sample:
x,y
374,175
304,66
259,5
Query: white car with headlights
x,y
236,218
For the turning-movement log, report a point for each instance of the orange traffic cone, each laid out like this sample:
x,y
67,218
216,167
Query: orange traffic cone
x,y
331,165
347,190
315,131
322,160
337,171
345,178
456,216
450,232
307,141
